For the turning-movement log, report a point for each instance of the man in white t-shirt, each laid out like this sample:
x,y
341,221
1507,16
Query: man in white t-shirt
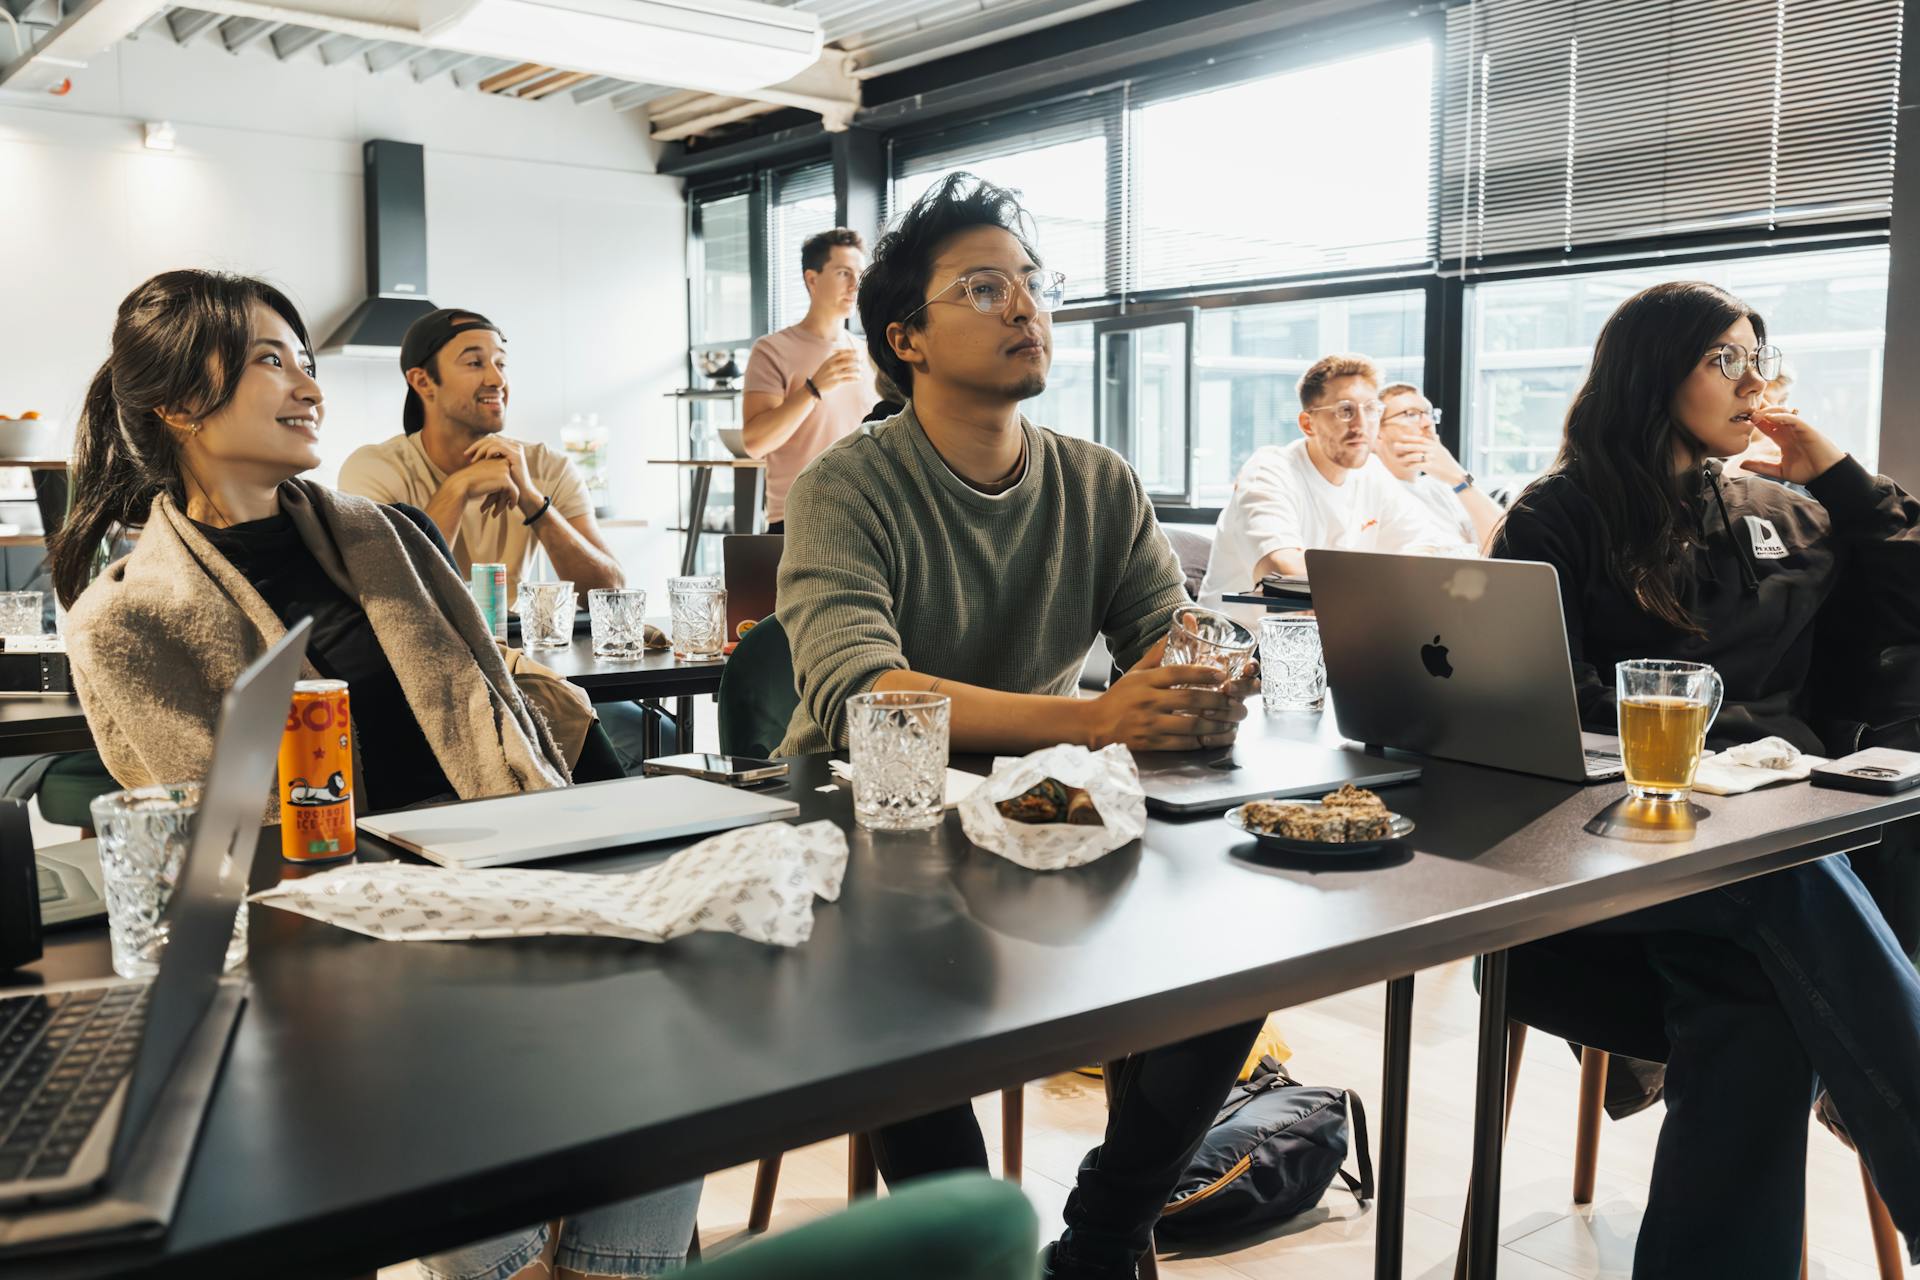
x,y
1327,490
1409,446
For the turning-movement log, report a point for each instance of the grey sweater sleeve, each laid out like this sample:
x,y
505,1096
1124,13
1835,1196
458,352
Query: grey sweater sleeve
x,y
1150,589
835,600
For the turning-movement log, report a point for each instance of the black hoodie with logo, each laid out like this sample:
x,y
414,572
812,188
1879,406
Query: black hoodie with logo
x,y
1799,597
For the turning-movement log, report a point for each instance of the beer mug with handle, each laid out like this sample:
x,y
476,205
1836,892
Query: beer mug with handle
x,y
1665,708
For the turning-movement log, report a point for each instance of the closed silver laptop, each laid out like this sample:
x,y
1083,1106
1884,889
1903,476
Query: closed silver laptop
x,y
1456,658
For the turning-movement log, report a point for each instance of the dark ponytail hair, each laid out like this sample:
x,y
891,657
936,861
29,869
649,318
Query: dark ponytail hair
x,y
1619,442
179,346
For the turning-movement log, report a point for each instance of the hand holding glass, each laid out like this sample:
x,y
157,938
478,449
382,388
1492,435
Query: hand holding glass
x,y
1202,638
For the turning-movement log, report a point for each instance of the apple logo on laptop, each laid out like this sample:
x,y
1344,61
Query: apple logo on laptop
x,y
1434,658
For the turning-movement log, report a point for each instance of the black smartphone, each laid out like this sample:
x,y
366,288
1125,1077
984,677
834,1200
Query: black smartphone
x,y
732,770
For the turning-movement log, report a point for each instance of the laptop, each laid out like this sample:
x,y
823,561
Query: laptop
x,y
506,830
1462,659
1258,768
751,562
98,1077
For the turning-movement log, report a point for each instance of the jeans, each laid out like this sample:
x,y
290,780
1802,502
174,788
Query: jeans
x,y
1770,986
644,1236
1164,1103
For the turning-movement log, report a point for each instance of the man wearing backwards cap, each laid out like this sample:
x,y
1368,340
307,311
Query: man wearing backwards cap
x,y
494,498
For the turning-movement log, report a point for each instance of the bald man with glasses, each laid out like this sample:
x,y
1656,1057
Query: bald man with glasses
x,y
1327,490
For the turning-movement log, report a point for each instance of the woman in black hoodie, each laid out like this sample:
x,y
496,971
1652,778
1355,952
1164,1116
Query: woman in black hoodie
x,y
1772,985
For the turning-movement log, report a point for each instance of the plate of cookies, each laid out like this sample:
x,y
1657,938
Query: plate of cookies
x,y
1350,820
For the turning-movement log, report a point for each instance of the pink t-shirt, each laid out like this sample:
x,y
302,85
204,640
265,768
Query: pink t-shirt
x,y
779,365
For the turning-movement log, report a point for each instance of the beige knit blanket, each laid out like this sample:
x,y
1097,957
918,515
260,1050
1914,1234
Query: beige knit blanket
x,y
161,635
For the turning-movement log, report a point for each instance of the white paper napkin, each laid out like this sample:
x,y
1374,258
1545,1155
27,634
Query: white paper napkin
x,y
960,784
1752,765
758,882
1111,780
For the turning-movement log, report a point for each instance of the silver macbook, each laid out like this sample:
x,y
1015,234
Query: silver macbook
x,y
1462,659
1258,767
95,1075
507,830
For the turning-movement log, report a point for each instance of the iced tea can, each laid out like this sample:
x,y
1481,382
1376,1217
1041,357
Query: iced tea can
x,y
488,585
316,774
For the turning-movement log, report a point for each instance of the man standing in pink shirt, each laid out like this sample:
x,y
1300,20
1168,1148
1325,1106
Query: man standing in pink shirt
x,y
809,384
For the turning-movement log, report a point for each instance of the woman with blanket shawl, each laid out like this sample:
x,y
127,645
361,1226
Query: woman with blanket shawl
x,y
197,428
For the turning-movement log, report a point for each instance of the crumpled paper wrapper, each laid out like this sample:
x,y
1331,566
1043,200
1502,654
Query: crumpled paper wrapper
x,y
758,882
1110,778
1752,765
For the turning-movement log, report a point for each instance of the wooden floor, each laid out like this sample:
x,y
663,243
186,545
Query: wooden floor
x,y
1337,1041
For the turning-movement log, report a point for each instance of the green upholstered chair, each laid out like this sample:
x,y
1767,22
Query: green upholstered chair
x,y
65,786
757,697
963,1226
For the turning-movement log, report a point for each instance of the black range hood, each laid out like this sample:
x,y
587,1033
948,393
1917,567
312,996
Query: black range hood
x,y
396,200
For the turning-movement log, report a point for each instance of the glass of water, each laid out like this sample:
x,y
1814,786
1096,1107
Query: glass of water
x,y
897,743
699,608
1293,671
546,614
619,618
1203,638
20,613
144,835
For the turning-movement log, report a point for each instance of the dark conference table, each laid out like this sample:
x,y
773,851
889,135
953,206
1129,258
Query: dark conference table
x,y
383,1100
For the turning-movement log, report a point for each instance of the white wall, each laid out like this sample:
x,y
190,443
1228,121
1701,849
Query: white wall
x,y
546,216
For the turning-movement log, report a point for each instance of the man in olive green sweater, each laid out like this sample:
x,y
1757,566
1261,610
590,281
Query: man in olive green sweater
x,y
958,548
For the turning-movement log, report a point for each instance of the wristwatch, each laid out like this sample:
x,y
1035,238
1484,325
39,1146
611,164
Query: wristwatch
x,y
1464,485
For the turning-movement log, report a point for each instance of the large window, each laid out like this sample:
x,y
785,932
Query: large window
x,y
723,233
1223,188
802,206
1249,361
1062,184
1067,404
1530,342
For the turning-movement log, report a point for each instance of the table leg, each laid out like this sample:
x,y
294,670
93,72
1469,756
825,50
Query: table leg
x,y
1489,1121
1389,1228
650,729
683,712
696,516
746,499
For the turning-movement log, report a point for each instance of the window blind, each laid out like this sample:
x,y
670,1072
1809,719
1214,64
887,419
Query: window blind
x,y
802,206
1573,123
1067,160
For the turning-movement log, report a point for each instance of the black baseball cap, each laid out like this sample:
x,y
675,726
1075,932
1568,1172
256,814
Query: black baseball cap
x,y
426,336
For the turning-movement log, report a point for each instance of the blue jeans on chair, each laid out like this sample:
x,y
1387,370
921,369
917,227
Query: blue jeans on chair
x,y
644,1236
1774,984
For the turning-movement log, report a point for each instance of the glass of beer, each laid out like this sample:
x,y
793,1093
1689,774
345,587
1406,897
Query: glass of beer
x,y
1665,709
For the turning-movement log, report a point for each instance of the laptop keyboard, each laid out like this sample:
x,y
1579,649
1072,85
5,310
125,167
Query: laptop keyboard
x,y
62,1055
1602,762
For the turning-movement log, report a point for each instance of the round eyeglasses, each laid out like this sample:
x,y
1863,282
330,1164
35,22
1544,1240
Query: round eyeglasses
x,y
1412,417
992,291
1765,361
1346,411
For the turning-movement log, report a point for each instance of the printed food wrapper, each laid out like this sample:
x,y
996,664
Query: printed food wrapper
x,y
758,882
1110,779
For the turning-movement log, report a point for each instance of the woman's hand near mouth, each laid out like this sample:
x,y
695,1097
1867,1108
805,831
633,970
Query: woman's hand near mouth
x,y
1805,454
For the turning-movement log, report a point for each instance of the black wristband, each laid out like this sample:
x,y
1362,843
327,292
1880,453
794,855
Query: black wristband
x,y
814,389
542,511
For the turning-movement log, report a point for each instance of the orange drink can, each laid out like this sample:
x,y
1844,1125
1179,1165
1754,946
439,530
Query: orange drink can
x,y
316,774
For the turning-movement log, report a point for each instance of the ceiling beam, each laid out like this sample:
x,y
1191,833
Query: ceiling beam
x,y
712,120
553,84
335,50
638,96
597,88
501,81
238,33
288,41
434,62
185,24
387,56
88,28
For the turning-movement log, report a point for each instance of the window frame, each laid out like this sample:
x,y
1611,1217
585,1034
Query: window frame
x,y
1186,319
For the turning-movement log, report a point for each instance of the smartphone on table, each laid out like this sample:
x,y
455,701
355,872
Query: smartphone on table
x,y
733,770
